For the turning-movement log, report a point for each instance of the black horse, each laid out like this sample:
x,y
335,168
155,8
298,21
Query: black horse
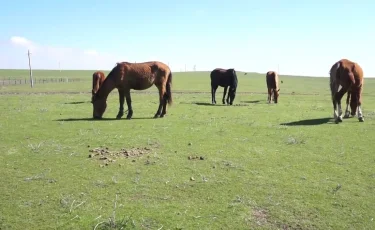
x,y
224,78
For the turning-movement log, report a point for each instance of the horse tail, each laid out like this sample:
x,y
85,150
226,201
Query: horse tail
x,y
168,93
333,76
235,79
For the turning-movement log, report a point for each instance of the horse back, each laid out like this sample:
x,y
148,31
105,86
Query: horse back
x,y
224,77
142,75
272,80
350,73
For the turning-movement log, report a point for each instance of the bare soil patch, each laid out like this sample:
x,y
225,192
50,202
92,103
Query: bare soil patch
x,y
195,158
106,156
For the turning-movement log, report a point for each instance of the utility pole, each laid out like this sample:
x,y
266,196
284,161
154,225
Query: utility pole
x,y
31,72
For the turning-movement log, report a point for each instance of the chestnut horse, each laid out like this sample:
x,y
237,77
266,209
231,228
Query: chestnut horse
x,y
348,75
272,80
138,76
97,80
224,78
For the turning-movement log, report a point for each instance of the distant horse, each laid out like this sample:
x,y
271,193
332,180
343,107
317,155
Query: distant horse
x,y
97,80
272,80
348,75
224,78
138,76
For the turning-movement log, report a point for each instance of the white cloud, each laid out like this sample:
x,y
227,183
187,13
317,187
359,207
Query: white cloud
x,y
16,40
45,56
90,52
23,42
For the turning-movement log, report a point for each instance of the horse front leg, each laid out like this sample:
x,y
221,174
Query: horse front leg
x,y
269,95
338,97
347,111
129,104
225,92
121,95
213,93
229,92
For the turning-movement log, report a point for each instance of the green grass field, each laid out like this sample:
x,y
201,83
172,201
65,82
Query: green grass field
x,y
262,166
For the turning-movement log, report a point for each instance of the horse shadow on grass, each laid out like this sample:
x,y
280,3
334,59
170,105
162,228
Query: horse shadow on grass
x,y
210,104
251,102
103,119
204,103
200,103
76,102
308,122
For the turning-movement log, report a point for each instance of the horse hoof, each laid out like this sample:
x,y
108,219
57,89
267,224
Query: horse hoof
x,y
156,116
128,118
361,119
118,118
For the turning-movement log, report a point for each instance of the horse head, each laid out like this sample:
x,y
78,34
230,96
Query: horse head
x,y
99,106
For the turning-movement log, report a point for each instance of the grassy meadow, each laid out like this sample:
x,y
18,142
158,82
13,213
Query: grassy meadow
x,y
249,166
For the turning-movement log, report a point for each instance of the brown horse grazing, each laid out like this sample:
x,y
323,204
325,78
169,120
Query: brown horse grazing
x,y
138,76
349,75
272,80
97,80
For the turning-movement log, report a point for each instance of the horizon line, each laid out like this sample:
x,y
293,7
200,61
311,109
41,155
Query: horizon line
x,y
192,71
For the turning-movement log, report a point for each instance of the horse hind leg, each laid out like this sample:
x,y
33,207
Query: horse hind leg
x,y
162,91
334,88
360,115
164,109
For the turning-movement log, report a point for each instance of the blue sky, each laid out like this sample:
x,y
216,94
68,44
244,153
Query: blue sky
x,y
298,37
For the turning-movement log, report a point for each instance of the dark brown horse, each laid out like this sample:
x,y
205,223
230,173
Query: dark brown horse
x,y
224,78
97,80
138,76
348,75
272,80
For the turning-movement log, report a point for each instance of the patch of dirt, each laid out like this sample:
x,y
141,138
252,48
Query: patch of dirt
x,y
261,216
106,156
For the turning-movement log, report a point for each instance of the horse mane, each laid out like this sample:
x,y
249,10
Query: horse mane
x,y
109,77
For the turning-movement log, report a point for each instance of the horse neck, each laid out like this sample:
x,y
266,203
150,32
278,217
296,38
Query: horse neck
x,y
107,86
